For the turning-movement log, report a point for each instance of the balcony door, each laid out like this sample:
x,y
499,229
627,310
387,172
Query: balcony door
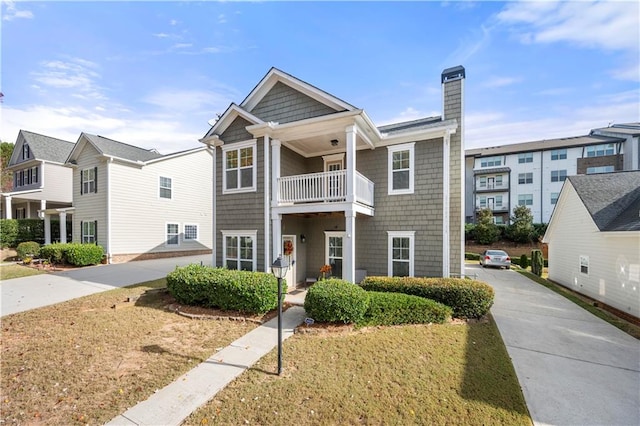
x,y
334,184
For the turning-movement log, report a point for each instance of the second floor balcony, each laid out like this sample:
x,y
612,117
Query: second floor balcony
x,y
323,187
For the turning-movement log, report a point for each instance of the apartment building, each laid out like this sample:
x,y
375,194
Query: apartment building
x,y
532,173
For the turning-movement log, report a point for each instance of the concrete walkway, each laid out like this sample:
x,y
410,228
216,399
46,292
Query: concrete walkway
x,y
175,402
574,368
23,294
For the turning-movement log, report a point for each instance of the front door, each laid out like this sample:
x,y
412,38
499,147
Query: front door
x,y
333,252
289,254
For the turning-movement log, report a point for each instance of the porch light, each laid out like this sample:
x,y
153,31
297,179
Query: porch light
x,y
279,269
334,142
303,238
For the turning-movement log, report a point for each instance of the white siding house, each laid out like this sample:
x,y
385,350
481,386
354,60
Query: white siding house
x,y
594,239
139,204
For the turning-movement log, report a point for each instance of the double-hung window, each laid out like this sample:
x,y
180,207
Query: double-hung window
x,y
482,182
491,161
525,199
401,168
558,175
239,161
89,180
584,264
173,234
401,253
554,197
165,187
559,154
526,157
524,178
601,150
239,250
25,151
89,230
34,174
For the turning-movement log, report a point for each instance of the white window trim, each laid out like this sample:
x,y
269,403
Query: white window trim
x,y
240,233
327,235
333,158
391,150
401,234
184,232
236,147
160,187
87,181
166,234
82,234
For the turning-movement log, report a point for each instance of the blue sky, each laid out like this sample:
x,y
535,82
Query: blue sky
x,y
153,74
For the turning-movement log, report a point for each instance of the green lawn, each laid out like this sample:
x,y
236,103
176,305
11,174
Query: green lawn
x,y
8,272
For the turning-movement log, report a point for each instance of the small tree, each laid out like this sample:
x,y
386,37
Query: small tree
x,y
521,228
486,231
524,261
537,262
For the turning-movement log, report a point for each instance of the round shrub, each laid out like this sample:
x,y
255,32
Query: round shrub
x,y
468,298
54,253
336,300
82,254
524,261
398,308
28,249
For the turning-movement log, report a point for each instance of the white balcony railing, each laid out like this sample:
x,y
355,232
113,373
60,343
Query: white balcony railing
x,y
323,187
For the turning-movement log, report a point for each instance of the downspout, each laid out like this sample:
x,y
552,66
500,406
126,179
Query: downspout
x,y
267,205
541,186
214,236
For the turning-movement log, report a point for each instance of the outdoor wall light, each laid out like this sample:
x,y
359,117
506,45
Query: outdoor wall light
x,y
334,142
279,269
303,238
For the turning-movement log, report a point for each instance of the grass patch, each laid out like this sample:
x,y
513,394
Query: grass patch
x,y
8,272
83,362
587,304
444,374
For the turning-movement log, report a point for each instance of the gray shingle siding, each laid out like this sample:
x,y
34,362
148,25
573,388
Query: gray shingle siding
x,y
236,131
283,104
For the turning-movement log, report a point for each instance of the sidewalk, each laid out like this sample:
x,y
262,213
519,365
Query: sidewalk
x,y
175,402
573,367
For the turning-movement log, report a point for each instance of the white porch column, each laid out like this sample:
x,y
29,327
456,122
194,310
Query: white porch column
x,y
47,228
446,212
28,211
63,227
267,206
349,254
7,214
276,225
350,165
275,172
43,207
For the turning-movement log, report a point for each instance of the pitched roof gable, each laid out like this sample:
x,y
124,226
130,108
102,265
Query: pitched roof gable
x,y
47,148
111,148
612,199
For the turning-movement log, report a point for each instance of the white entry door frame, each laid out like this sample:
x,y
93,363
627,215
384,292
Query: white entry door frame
x,y
290,277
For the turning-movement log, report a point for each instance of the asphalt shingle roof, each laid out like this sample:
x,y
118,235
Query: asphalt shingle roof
x,y
47,148
612,199
408,126
121,150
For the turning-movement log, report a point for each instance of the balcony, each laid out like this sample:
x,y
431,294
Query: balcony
x,y
323,187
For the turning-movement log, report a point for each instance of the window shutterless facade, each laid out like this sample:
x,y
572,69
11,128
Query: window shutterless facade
x,y
239,250
600,169
190,232
166,187
559,154
584,264
173,234
524,178
554,197
601,150
401,168
401,253
89,229
525,199
558,175
526,157
239,163
491,161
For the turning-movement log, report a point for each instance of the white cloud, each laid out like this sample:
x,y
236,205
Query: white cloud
x,y
222,19
408,114
187,101
74,74
11,12
631,73
501,81
161,35
173,22
607,25
181,45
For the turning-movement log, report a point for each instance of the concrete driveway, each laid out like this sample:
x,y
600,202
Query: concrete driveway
x,y
574,368
22,294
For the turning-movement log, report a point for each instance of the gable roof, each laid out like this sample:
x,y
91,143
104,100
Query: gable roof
x,y
111,148
612,199
47,148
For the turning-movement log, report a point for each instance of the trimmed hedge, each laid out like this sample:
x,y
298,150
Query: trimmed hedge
x,y
467,298
471,256
28,249
397,308
16,231
73,253
336,300
244,291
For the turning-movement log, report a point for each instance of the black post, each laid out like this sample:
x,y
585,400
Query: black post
x,y
279,326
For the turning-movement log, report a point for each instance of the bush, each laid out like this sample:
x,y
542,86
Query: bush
x,y
54,253
336,300
472,256
244,291
524,261
486,232
28,249
398,308
537,262
82,254
8,232
468,298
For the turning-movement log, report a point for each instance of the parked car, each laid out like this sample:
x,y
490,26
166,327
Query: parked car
x,y
497,258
